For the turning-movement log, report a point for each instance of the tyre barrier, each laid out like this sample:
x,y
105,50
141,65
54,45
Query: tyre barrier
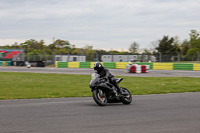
x,y
123,65
74,64
163,66
137,68
196,67
120,65
181,66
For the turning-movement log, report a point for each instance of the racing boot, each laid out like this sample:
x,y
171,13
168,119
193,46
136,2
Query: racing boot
x,y
118,88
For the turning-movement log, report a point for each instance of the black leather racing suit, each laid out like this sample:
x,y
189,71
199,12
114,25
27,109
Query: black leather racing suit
x,y
105,73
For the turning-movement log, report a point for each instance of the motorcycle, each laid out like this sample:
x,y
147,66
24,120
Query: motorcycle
x,y
102,91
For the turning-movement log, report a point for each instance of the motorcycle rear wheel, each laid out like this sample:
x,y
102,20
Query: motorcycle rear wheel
x,y
99,97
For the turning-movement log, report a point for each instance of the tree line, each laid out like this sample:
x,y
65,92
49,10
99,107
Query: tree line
x,y
172,45
166,45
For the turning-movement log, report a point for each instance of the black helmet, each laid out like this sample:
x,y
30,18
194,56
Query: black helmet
x,y
98,66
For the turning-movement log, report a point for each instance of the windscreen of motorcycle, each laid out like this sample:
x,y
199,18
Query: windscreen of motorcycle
x,y
94,79
95,75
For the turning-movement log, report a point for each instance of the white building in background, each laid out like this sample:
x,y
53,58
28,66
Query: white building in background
x,y
70,58
127,58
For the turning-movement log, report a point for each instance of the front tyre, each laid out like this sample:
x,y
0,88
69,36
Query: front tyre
x,y
127,98
99,97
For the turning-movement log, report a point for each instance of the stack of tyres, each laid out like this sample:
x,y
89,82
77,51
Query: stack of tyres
x,y
196,67
62,64
73,64
133,69
150,65
181,66
128,68
144,68
138,68
84,64
121,65
147,68
163,66
110,65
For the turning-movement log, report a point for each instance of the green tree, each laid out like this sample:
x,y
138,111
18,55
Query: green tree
x,y
146,51
60,44
166,45
78,51
89,52
61,47
184,47
194,43
32,46
152,47
134,47
176,44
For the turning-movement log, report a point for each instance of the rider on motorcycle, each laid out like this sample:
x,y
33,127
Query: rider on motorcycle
x,y
104,73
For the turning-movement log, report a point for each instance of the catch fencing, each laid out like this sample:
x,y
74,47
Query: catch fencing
x,y
160,57
50,59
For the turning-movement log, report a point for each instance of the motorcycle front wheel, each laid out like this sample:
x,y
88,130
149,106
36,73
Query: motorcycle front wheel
x,y
126,99
99,97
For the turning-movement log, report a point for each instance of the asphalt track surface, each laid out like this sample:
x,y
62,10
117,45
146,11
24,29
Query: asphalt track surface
x,y
163,113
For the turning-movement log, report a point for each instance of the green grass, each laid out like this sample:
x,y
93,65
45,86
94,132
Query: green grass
x,y
39,85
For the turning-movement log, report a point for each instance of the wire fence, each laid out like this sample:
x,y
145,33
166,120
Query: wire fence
x,y
160,57
50,59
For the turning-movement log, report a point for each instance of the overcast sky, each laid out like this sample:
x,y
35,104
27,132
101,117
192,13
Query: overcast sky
x,y
104,24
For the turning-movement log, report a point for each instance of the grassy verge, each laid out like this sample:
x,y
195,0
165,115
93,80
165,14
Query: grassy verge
x,y
40,85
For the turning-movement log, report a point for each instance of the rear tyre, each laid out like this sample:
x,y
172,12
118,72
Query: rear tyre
x,y
126,99
99,97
